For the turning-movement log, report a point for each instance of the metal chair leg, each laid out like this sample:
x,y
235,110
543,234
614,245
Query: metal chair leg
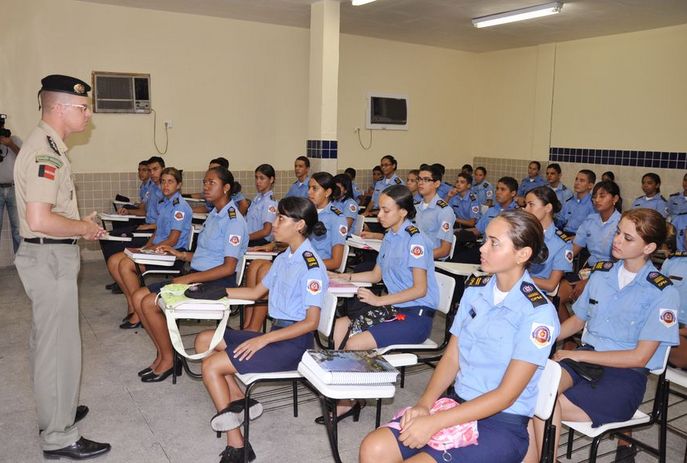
x,y
403,377
378,413
568,449
294,385
594,448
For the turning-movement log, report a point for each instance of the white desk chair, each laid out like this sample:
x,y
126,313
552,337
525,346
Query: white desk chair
x,y
679,377
250,380
158,270
546,402
344,259
446,286
639,419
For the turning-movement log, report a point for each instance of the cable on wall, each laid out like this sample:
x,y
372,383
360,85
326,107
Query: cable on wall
x,y
155,134
360,141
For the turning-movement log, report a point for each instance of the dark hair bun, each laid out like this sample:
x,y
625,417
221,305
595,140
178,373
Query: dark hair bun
x,y
319,229
542,256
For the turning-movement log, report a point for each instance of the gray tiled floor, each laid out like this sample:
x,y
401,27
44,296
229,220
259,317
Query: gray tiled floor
x,y
165,422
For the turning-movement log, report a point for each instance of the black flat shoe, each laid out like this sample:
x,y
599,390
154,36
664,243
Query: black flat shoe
x,y
116,289
354,411
82,449
128,316
144,372
111,286
127,325
235,455
152,377
625,454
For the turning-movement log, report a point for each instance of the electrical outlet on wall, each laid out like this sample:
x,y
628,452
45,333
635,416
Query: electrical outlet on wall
x,y
169,124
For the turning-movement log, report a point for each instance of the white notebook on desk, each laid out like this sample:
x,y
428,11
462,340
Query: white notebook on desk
x,y
350,367
148,254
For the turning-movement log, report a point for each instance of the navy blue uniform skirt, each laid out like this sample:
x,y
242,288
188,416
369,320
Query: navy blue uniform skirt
x,y
615,397
502,438
413,329
278,356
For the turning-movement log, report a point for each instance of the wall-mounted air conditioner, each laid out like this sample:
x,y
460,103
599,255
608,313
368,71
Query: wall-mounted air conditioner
x,y
115,92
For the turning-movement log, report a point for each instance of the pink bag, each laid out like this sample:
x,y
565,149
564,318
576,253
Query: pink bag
x,y
460,435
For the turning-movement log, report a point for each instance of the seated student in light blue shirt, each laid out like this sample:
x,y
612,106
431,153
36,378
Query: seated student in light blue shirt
x,y
532,180
221,244
388,165
144,177
579,206
543,203
653,199
356,192
483,189
433,216
464,202
444,187
506,189
345,201
263,209
237,197
301,167
675,268
411,183
501,340
553,178
151,199
297,283
630,312
677,202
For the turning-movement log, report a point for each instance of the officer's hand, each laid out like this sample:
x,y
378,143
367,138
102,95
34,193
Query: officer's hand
x,y
368,297
418,432
246,349
163,248
412,413
7,141
93,230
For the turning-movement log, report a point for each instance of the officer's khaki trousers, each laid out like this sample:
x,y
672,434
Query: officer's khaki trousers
x,y
48,273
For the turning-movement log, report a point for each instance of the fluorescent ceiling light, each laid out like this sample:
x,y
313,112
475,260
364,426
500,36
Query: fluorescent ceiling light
x,y
518,15
360,2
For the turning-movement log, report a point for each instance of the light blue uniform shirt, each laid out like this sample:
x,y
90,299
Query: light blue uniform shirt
x,y
528,183
657,203
154,199
560,254
143,190
337,230
381,185
492,212
262,210
401,252
356,190
677,203
675,268
224,234
617,319
435,221
443,190
349,208
679,221
563,193
522,327
484,191
465,207
296,281
175,214
597,236
299,188
574,212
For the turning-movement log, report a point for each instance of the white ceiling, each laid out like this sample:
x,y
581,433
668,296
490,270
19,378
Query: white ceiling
x,y
446,23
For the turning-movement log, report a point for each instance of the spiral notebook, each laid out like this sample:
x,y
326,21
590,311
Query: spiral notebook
x,y
350,367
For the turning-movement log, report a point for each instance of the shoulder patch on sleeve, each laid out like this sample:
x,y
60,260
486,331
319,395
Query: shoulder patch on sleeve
x,y
179,216
397,181
175,202
659,280
668,317
46,171
679,254
541,335
532,293
310,260
475,280
335,210
441,203
42,158
473,197
602,266
352,207
412,230
231,212
563,236
53,145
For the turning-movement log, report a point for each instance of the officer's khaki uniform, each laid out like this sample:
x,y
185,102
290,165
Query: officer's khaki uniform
x,y
48,272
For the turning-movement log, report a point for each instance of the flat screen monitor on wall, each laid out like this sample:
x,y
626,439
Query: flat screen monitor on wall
x,y
387,112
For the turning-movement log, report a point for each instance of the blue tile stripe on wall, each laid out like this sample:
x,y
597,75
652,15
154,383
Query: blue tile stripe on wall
x,y
657,159
322,149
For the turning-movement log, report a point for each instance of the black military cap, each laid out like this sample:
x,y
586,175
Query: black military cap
x,y
65,84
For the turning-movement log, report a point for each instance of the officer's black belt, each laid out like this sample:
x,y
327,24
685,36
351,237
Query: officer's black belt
x,y
50,241
6,185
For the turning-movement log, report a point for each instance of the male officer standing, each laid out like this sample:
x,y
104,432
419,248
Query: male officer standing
x,y
48,264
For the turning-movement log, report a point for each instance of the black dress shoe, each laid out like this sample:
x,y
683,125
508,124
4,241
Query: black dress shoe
x,y
127,325
354,411
235,455
116,289
82,449
144,372
111,286
152,377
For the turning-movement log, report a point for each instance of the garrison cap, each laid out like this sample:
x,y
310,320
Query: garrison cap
x,y
65,84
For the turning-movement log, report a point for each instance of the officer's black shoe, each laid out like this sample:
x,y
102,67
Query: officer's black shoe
x,y
81,412
235,455
116,289
625,454
82,449
111,285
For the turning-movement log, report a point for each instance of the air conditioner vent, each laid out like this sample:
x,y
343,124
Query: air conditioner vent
x,y
121,93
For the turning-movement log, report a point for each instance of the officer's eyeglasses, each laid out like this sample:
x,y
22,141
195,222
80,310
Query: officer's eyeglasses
x,y
83,107
425,180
